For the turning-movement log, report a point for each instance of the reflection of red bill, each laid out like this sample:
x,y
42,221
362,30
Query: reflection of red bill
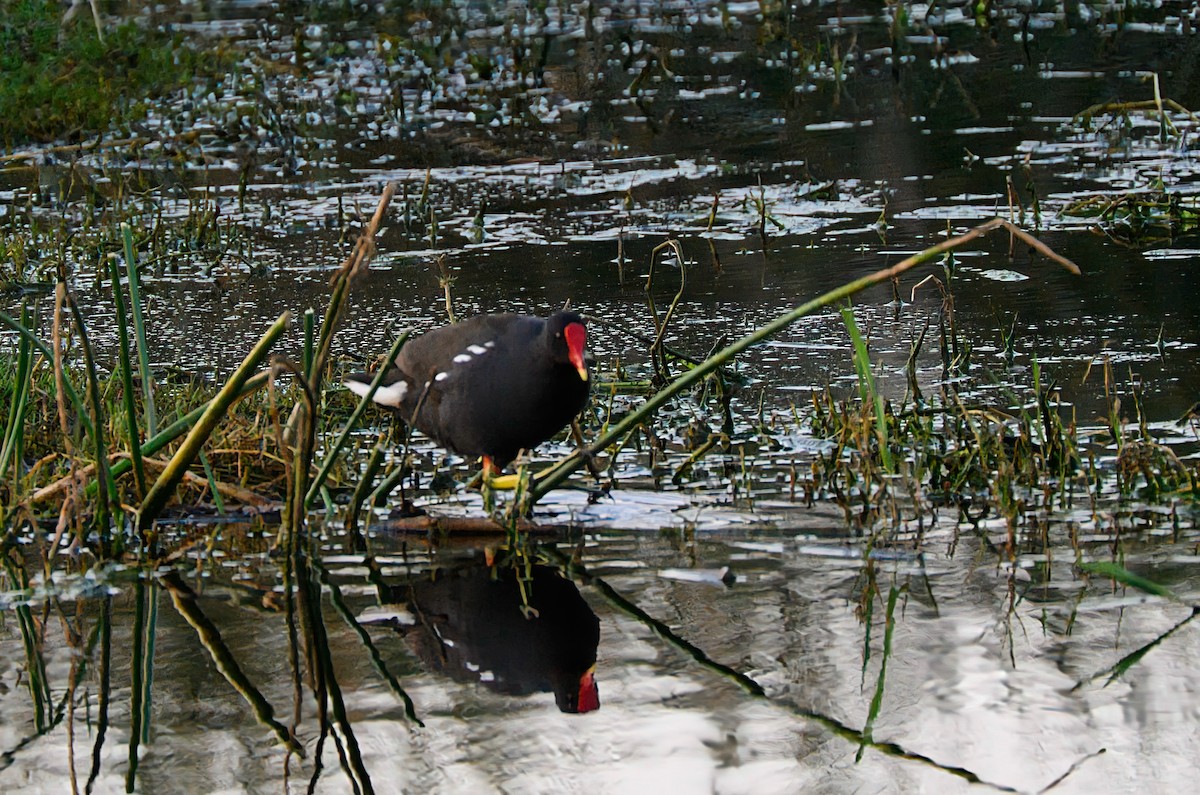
x,y
589,694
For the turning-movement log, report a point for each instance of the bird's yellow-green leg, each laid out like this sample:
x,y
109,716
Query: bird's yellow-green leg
x,y
507,482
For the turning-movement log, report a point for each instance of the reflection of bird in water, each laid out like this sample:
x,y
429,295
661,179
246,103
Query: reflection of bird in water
x,y
472,625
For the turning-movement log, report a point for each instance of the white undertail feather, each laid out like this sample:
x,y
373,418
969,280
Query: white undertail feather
x,y
386,395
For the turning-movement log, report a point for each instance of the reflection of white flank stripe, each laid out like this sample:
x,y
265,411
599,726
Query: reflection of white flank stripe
x,y
490,344
462,357
441,376
386,395
478,349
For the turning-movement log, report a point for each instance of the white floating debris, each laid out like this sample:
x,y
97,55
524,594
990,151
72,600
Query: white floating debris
x,y
386,615
1000,275
721,576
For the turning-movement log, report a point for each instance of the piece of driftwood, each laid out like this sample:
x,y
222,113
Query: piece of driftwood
x,y
459,526
229,491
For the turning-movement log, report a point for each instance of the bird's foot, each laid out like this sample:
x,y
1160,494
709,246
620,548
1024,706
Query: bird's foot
x,y
510,482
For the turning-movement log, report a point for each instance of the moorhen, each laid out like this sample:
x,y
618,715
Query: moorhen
x,y
489,386
471,626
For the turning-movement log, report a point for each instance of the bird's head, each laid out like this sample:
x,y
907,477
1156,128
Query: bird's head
x,y
569,327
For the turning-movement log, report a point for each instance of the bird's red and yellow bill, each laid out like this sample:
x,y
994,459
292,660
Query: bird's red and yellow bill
x,y
576,335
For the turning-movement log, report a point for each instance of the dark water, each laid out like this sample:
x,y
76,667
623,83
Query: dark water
x,y
834,122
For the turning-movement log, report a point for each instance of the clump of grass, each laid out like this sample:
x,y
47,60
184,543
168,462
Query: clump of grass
x,y
1140,217
1153,211
63,80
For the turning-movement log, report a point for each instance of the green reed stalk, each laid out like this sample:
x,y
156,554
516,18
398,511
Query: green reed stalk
x,y
331,453
218,500
169,478
321,670
15,431
104,673
868,615
558,473
388,484
148,656
68,387
309,321
1123,576
327,690
131,420
361,491
323,674
139,328
106,486
35,662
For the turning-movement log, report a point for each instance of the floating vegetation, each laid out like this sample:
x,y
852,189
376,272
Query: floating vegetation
x,y
1157,210
1141,218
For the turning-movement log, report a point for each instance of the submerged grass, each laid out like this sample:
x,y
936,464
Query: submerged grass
x,y
1151,212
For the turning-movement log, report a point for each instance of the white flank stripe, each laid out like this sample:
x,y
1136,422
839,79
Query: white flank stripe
x,y
478,349
388,395
441,376
490,344
462,357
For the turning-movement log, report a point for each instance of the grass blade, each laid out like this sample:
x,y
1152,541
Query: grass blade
x,y
72,394
131,421
877,698
14,432
139,328
866,385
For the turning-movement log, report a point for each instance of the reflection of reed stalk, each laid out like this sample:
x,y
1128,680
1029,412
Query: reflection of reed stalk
x,y
573,568
184,600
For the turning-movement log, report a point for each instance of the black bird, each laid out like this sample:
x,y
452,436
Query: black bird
x,y
490,386
474,625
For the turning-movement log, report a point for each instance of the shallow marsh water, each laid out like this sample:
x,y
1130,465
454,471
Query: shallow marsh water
x,y
996,665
